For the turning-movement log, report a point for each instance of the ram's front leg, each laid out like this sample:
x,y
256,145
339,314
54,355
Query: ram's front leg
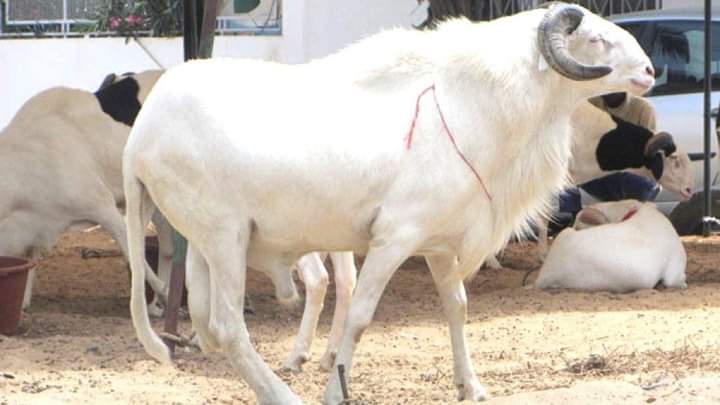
x,y
387,252
452,295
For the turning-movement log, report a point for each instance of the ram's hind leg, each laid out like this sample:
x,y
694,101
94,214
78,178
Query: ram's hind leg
x,y
225,250
345,274
315,276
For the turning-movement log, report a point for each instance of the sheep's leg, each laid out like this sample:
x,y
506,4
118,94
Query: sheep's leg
x,y
166,249
454,302
345,274
542,246
383,259
493,263
674,276
27,298
110,219
315,276
225,251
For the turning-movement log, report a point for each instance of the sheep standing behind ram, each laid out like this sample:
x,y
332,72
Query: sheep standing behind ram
x,y
411,144
60,159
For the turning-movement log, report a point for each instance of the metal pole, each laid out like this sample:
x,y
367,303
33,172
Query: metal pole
x,y
177,282
197,20
207,31
190,29
65,22
177,274
706,118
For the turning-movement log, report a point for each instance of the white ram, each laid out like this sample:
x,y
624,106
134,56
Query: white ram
x,y
406,143
61,157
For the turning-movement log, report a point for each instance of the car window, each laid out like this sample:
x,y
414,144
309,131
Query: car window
x,y
676,50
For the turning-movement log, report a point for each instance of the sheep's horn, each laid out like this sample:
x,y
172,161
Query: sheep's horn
x,y
661,142
656,149
559,22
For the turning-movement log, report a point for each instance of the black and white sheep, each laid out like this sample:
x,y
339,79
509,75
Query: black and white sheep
x,y
60,159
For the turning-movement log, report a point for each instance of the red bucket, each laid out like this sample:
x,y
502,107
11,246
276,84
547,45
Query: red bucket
x,y
13,277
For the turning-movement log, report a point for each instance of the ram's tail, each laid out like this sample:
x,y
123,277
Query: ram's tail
x,y
140,208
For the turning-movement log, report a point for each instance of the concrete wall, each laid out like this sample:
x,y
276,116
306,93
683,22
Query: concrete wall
x,y
311,29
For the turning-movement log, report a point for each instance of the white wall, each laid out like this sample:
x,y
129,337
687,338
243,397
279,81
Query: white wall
x,y
353,20
311,29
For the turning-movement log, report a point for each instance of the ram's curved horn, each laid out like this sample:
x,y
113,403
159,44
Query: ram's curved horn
x,y
559,22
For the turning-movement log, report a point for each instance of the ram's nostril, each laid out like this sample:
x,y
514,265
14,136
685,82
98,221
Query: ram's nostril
x,y
649,70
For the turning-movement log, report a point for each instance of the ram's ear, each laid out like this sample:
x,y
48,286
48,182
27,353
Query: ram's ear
x,y
108,80
542,64
657,165
614,100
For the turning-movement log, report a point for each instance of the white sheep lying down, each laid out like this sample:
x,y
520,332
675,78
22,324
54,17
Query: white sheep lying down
x,y
333,160
617,246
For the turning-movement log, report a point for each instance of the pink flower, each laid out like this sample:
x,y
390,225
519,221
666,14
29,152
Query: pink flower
x,y
114,23
134,20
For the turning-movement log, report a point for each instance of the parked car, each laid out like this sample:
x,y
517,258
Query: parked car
x,y
674,40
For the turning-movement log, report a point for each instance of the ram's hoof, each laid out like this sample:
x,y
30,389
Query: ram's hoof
x,y
471,390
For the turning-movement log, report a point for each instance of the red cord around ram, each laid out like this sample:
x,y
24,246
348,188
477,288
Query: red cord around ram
x,y
409,136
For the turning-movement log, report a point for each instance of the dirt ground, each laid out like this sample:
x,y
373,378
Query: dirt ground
x,y
77,344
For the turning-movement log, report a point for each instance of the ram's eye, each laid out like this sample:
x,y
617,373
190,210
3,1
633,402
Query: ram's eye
x,y
599,39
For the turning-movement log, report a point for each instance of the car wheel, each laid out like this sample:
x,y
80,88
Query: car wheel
x,y
686,217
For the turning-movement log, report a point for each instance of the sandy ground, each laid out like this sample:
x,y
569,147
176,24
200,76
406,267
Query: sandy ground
x,y
77,344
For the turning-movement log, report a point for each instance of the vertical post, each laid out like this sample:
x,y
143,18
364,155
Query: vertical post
x,y
177,282
177,274
707,212
198,32
207,31
65,24
190,29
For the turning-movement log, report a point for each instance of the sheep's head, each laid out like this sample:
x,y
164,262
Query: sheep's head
x,y
670,166
606,213
677,175
145,81
585,47
122,96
